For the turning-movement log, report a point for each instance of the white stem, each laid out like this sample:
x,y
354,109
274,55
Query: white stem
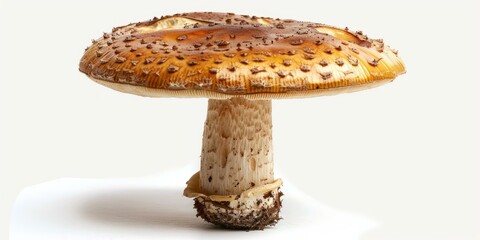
x,y
237,146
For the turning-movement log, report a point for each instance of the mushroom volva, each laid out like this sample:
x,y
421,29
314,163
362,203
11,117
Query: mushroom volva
x,y
240,63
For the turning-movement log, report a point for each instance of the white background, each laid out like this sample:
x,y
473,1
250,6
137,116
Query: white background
x,y
405,154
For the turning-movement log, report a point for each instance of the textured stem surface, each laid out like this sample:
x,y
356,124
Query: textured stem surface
x,y
237,146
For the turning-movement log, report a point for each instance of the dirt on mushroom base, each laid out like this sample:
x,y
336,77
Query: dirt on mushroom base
x,y
253,209
226,216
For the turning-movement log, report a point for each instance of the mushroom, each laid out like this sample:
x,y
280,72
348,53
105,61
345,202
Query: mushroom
x,y
240,63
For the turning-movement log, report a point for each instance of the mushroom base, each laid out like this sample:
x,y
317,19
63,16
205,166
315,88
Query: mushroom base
x,y
253,209
242,217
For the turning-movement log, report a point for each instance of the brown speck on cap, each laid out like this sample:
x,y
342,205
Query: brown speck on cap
x,y
162,60
129,38
222,43
234,53
323,63
104,60
352,60
256,70
309,50
326,75
339,61
281,73
296,42
149,60
192,63
308,56
120,60
172,68
181,37
374,62
291,52
267,54
354,50
305,68
229,55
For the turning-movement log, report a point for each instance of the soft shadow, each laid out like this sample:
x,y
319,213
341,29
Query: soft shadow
x,y
144,208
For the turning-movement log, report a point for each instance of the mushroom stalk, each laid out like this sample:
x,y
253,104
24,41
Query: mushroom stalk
x,y
237,146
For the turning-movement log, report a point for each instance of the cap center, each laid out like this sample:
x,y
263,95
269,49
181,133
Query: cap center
x,y
171,23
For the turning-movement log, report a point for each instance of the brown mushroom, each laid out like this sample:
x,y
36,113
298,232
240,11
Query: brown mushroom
x,y
240,63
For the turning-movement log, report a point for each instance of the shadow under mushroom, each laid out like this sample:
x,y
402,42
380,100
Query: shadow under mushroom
x,y
147,207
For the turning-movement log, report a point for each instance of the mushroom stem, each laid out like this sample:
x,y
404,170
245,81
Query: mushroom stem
x,y
237,146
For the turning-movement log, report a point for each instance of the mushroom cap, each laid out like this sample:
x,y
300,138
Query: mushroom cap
x,y
223,55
